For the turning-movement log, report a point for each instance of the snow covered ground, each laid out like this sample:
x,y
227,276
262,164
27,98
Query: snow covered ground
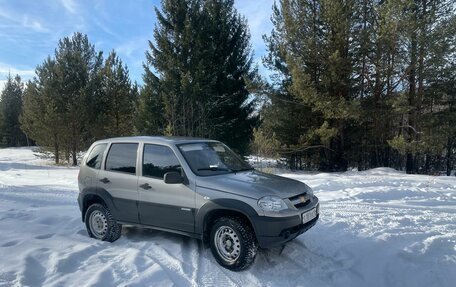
x,y
377,228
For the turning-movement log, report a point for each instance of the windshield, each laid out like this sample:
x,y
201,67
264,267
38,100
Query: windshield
x,y
212,158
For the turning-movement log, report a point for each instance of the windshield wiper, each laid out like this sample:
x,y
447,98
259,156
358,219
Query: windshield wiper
x,y
243,169
214,168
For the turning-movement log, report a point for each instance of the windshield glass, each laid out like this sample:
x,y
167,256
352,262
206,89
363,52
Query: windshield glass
x,y
212,158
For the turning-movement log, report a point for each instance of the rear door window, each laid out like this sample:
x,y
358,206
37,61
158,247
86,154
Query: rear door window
x,y
158,160
122,157
96,156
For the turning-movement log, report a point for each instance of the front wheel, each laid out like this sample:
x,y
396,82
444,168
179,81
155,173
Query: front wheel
x,y
101,224
233,243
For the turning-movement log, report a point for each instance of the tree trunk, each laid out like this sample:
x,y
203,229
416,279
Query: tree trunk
x,y
411,100
56,150
427,163
74,153
74,146
339,163
449,165
364,54
67,154
409,164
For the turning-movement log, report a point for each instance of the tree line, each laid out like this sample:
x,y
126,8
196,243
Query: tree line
x,y
355,83
76,98
361,84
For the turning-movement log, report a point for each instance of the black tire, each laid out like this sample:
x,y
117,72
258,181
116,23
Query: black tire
x,y
239,233
109,230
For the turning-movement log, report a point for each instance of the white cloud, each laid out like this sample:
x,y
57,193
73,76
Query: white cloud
x,y
34,24
5,70
23,20
70,6
5,15
133,46
105,28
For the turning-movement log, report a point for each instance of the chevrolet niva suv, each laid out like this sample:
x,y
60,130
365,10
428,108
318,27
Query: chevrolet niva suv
x,y
195,187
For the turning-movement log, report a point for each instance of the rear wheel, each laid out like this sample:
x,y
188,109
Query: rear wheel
x,y
100,223
233,243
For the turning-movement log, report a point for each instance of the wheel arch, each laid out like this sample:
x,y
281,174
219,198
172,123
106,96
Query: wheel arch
x,y
217,208
90,197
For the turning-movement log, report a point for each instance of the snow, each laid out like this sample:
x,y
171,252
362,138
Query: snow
x,y
377,228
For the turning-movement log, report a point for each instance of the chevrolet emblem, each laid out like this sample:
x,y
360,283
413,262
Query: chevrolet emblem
x,y
302,198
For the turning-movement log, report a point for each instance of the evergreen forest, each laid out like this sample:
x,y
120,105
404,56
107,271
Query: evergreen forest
x,y
352,84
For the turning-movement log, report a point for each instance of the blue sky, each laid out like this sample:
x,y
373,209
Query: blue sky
x,y
30,30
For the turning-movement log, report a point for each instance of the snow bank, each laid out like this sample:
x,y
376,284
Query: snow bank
x,y
378,228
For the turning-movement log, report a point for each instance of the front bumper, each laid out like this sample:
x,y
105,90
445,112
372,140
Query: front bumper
x,y
274,231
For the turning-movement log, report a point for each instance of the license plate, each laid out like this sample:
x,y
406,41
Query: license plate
x,y
309,215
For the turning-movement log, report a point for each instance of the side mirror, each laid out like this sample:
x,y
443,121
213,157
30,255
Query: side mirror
x,y
173,177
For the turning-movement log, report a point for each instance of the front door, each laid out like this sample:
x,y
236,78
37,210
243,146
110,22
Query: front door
x,y
164,205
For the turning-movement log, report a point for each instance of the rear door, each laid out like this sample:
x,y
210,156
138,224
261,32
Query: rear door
x,y
88,173
119,178
164,205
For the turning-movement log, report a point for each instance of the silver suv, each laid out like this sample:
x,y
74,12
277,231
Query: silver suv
x,y
195,187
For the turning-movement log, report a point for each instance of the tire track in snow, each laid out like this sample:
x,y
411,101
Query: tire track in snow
x,y
172,267
212,275
194,257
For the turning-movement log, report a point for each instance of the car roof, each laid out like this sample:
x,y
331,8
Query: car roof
x,y
157,139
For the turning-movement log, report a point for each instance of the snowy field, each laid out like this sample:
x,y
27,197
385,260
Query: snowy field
x,y
377,228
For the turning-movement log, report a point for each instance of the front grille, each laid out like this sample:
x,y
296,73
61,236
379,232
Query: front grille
x,y
300,200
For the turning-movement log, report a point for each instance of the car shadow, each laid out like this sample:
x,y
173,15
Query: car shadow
x,y
140,233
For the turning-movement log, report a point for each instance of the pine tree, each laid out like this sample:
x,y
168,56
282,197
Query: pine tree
x,y
381,71
64,94
78,66
428,41
331,94
375,79
439,95
150,108
10,110
74,100
41,118
284,117
118,98
203,63
309,48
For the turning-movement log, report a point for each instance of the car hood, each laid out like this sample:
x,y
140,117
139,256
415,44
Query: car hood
x,y
254,184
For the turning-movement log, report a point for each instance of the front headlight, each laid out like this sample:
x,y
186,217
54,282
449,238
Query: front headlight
x,y
272,203
310,191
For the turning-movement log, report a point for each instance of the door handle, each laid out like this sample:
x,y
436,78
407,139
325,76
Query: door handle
x,y
145,186
104,180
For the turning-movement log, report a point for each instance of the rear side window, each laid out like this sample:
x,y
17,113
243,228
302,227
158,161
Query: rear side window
x,y
96,156
159,160
122,157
